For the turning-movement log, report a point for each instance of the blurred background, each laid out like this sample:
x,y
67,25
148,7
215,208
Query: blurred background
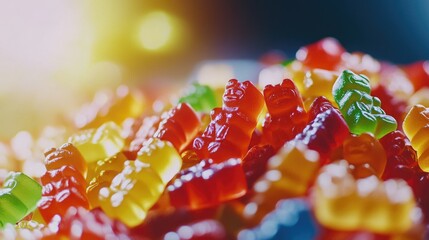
x,y
55,54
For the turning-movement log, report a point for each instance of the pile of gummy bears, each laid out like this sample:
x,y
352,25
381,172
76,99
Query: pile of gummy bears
x,y
330,145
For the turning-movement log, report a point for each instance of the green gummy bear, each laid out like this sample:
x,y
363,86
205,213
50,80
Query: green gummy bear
x,y
201,97
361,111
18,197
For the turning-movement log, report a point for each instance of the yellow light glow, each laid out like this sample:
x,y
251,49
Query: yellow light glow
x,y
155,30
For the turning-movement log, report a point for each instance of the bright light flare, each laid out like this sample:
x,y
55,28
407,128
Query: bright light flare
x,y
155,30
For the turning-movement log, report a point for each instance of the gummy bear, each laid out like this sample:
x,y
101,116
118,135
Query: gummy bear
x,y
319,82
98,144
290,174
162,157
201,97
18,197
416,127
365,154
229,133
67,154
146,131
62,188
179,126
208,184
255,162
291,219
104,173
132,193
286,115
324,54
361,111
326,131
394,106
342,202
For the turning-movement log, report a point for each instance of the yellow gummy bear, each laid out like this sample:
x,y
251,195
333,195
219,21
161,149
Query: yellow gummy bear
x,y
100,143
416,127
162,157
343,203
132,193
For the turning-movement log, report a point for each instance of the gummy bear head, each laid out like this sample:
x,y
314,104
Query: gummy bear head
x,y
282,98
243,97
347,81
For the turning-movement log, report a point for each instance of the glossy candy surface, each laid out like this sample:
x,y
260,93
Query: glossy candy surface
x,y
324,54
201,97
361,111
286,114
229,133
18,197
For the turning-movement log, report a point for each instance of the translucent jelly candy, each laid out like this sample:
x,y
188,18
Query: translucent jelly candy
x,y
418,73
365,155
79,223
201,97
62,188
201,230
394,106
319,82
146,131
326,131
132,193
162,157
18,197
179,126
100,143
324,54
286,115
291,219
361,111
255,162
343,203
290,173
229,133
67,154
104,173
416,127
208,184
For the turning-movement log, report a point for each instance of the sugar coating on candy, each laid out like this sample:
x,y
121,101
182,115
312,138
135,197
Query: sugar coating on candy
x,y
345,203
62,188
179,126
208,184
67,154
416,127
204,229
361,111
132,193
229,133
290,173
162,157
201,97
286,114
98,144
291,218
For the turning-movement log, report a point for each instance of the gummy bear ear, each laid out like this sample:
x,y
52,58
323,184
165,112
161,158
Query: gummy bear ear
x,y
232,82
287,83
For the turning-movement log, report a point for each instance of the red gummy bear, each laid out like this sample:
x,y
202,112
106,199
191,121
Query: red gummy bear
x,y
178,126
229,133
207,184
146,130
62,188
255,162
324,54
67,154
286,115
392,105
326,131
